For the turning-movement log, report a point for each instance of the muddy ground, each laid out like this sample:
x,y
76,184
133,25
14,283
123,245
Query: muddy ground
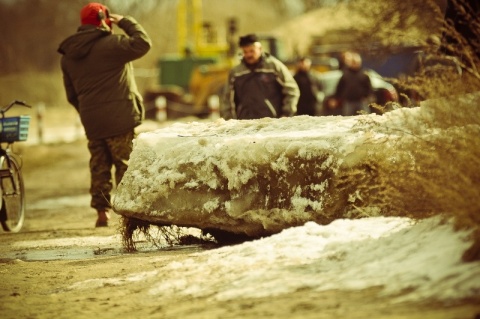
x,y
45,268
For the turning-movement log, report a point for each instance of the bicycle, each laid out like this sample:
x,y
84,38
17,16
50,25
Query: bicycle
x,y
12,189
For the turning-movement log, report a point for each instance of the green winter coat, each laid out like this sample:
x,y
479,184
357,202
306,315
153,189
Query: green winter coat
x,y
99,80
265,90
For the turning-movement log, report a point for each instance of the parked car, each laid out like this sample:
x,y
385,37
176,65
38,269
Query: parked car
x,y
383,91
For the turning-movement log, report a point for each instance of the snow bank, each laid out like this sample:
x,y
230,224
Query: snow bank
x,y
262,176
394,253
402,258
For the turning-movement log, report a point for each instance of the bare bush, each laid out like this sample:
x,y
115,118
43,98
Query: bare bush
x,y
451,61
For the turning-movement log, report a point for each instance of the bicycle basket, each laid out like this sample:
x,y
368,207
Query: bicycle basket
x,y
14,129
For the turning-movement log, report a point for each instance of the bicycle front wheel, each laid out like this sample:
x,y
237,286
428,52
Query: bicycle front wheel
x,y
13,196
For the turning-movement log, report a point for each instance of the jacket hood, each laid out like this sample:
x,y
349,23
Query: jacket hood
x,y
78,45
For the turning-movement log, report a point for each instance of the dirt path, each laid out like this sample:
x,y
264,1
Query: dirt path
x,y
60,266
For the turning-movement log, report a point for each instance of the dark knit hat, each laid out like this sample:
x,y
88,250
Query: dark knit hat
x,y
93,13
247,40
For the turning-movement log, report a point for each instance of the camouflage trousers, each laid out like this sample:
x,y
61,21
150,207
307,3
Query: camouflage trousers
x,y
105,154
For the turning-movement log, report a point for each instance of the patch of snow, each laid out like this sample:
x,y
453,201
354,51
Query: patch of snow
x,y
395,253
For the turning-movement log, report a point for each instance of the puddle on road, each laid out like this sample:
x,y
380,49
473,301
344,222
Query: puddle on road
x,y
63,254
81,253
88,247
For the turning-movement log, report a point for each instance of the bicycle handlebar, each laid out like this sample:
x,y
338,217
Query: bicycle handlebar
x,y
14,102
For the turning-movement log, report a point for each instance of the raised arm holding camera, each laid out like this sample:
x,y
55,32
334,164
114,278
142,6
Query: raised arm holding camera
x,y
99,82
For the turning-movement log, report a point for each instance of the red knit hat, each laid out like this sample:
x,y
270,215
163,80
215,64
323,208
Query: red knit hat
x,y
92,14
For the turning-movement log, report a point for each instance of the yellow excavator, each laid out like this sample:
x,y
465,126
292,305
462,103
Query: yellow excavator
x,y
200,69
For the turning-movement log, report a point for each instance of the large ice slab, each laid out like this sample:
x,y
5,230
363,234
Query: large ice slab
x,y
259,177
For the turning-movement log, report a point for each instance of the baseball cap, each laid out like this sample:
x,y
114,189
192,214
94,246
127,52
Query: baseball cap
x,y
93,13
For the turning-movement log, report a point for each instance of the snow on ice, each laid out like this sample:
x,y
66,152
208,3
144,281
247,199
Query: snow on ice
x,y
262,176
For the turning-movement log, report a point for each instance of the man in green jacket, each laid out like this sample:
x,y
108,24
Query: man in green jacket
x,y
260,86
99,82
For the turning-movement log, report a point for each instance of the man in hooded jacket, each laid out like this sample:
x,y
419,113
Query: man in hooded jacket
x,y
100,84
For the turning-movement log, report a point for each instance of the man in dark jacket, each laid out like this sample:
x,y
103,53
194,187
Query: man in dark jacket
x,y
260,86
99,82
354,88
310,86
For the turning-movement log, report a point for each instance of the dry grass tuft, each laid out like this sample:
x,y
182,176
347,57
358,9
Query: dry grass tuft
x,y
129,229
448,174
160,236
431,168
